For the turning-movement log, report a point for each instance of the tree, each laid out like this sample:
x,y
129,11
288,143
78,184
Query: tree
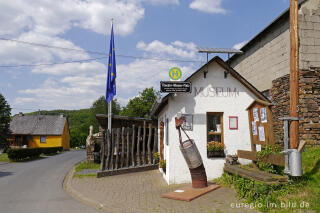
x,y
100,106
5,113
140,106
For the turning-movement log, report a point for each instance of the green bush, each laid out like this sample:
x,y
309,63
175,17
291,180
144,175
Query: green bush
x,y
259,194
163,165
25,153
51,150
156,156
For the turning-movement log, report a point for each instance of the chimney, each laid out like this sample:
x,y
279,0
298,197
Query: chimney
x,y
21,114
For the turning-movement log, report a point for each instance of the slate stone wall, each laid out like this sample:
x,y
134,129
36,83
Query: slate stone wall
x,y
309,105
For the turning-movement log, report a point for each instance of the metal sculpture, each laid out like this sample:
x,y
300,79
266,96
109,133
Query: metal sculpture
x,y
192,157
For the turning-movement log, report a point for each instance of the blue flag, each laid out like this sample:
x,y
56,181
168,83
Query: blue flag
x,y
111,79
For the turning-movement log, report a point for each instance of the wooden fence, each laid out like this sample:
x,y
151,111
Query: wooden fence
x,y
128,147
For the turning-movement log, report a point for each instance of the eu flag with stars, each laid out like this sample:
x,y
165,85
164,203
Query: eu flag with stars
x,y
111,79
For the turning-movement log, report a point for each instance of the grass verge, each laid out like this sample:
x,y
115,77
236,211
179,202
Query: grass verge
x,y
85,165
4,157
298,194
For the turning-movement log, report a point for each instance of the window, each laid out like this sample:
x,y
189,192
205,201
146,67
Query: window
x,y
18,139
42,139
215,127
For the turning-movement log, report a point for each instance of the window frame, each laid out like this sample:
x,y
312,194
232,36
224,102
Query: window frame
x,y
45,139
221,123
237,122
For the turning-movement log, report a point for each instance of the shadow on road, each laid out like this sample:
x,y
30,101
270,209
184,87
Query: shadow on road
x,y
2,174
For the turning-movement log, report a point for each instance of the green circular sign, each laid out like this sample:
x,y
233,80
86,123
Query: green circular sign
x,y
175,73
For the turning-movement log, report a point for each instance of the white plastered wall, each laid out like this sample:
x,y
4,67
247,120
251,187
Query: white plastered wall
x,y
198,104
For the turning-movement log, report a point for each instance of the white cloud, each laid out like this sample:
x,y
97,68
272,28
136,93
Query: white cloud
x,y
177,48
78,90
163,2
56,17
22,100
140,74
16,53
208,6
52,94
92,67
238,46
77,85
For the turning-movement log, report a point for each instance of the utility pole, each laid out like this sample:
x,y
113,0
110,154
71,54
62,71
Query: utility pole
x,y
294,74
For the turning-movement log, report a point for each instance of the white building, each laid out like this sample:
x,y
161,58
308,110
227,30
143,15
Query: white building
x,y
216,96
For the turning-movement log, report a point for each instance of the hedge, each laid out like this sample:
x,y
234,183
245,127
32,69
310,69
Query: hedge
x,y
51,150
23,153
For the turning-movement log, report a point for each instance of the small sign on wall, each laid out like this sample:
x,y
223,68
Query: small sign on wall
x,y
263,115
261,133
233,122
255,114
254,128
187,123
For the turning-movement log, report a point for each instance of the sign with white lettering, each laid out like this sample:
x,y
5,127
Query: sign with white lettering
x,y
175,87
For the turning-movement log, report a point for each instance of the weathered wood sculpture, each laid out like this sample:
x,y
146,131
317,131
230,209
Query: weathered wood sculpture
x,y
90,146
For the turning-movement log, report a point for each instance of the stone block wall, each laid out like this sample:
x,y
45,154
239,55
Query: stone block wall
x,y
309,106
266,57
309,34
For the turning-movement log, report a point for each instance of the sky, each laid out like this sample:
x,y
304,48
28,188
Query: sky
x,y
151,36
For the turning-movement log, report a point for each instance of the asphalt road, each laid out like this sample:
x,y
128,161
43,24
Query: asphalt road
x,y
36,186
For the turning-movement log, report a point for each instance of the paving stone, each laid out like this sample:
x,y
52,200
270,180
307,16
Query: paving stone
x,y
141,193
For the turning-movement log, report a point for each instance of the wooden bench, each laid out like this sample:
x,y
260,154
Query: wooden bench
x,y
276,159
255,174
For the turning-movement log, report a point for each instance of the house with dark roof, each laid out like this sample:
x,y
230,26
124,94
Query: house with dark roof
x,y
40,131
215,113
265,63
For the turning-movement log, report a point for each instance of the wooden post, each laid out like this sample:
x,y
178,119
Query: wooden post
x,y
102,152
109,139
138,147
117,148
253,145
133,145
155,142
149,143
294,73
128,147
122,147
144,144
112,139
161,139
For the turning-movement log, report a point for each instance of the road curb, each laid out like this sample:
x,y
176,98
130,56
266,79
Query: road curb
x,y
67,186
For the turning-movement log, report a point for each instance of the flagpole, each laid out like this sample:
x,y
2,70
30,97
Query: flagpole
x,y
109,116
110,105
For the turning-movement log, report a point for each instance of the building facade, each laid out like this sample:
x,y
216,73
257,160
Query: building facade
x,y
265,63
215,111
40,131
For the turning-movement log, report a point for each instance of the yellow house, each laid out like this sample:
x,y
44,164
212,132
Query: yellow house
x,y
40,131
